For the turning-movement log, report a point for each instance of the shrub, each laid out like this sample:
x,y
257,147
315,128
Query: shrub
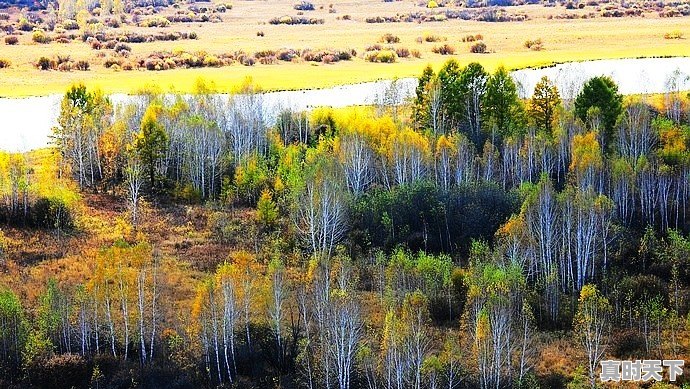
x,y
248,61
70,24
96,44
157,22
4,63
415,53
63,370
673,35
304,6
25,25
432,4
479,47
51,213
45,63
265,53
287,55
120,47
212,61
82,65
113,22
473,38
62,59
535,45
260,33
110,61
4,16
402,52
11,40
444,49
225,229
64,66
389,38
39,36
383,56
433,38
187,194
295,20
153,63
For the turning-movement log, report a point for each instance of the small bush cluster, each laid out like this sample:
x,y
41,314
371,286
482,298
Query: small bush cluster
x,y
287,55
181,59
617,13
109,41
190,16
40,36
168,60
571,16
122,48
112,22
534,45
112,61
5,63
389,38
25,25
444,49
674,35
383,19
402,52
155,22
4,16
62,63
434,38
45,63
82,65
266,57
381,56
327,56
486,15
304,6
70,24
290,20
11,40
677,11
472,38
478,48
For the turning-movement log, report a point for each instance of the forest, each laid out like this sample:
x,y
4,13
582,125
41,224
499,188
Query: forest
x,y
465,239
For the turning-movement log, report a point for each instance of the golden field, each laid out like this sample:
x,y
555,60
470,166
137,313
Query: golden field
x,y
564,40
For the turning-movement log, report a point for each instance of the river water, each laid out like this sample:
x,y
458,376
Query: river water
x,y
26,123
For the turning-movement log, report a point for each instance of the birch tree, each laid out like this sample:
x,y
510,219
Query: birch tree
x,y
591,324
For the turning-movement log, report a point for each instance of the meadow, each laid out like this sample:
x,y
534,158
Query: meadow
x,y
343,28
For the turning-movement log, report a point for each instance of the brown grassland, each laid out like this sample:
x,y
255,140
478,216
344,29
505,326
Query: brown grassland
x,y
563,40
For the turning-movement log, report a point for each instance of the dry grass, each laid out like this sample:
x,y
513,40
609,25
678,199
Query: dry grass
x,y
564,40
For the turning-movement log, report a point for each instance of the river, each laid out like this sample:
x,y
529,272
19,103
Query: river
x,y
26,123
